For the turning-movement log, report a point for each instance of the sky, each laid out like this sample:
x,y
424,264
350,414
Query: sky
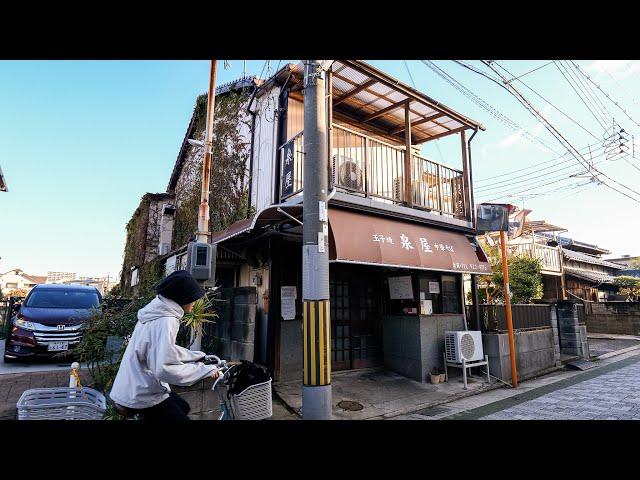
x,y
82,141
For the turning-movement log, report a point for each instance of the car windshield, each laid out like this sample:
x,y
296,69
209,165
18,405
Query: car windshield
x,y
50,298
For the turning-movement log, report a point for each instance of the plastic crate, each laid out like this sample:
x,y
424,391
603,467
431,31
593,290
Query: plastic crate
x,y
253,403
61,404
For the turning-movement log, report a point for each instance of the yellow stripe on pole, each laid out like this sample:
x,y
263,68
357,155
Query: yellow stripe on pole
x,y
328,337
312,337
322,360
305,331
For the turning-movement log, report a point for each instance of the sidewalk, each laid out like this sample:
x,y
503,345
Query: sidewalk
x,y
486,403
379,394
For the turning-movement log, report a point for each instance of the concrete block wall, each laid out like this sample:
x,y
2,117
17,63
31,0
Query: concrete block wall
x,y
621,318
204,402
536,352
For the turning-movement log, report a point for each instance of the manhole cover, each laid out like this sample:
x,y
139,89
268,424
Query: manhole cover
x,y
350,406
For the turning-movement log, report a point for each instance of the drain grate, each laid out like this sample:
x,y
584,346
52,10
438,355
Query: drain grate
x,y
350,406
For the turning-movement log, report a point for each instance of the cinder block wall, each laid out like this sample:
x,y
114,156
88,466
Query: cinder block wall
x,y
573,334
234,331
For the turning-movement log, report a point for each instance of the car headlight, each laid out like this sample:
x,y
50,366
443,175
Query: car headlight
x,y
24,324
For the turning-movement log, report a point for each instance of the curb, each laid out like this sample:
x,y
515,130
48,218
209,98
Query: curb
x,y
617,352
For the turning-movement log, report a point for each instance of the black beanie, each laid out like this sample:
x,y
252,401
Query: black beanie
x,y
180,287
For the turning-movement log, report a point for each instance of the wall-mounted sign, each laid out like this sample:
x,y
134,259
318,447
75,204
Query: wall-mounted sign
x,y
434,287
288,171
400,288
288,297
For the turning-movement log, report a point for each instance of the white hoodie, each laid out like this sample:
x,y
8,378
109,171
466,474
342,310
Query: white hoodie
x,y
152,360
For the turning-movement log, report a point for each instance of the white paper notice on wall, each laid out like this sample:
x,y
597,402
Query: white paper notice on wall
x,y
288,295
321,242
434,287
400,288
426,307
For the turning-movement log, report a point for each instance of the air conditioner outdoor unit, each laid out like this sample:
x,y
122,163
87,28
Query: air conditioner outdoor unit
x,y
465,345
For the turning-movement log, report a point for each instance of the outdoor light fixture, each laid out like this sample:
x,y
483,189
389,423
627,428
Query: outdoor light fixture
x,y
195,143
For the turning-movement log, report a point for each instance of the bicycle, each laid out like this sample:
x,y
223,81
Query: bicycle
x,y
253,403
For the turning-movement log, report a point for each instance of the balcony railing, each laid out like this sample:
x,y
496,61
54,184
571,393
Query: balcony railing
x,y
549,256
369,167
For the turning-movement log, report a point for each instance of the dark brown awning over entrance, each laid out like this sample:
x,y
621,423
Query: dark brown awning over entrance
x,y
264,218
368,239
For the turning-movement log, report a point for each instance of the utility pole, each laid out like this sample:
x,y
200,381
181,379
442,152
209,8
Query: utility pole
x,y
202,235
316,385
507,304
203,212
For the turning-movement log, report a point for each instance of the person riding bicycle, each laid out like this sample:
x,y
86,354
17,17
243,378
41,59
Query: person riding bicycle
x,y
152,360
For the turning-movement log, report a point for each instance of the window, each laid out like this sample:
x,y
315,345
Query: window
x,y
59,298
450,294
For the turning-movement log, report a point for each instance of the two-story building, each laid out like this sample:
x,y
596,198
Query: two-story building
x,y
401,231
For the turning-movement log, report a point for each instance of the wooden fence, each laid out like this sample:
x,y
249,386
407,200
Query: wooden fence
x,y
525,317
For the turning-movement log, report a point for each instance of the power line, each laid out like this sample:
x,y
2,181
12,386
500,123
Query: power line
x,y
577,155
553,160
579,94
514,177
486,106
566,115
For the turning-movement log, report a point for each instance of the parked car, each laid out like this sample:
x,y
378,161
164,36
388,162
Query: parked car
x,y
50,321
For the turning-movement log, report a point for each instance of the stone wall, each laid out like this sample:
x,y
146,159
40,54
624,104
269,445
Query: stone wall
x,y
414,345
621,318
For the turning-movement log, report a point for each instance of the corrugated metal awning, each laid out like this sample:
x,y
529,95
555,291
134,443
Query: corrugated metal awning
x,y
264,218
372,240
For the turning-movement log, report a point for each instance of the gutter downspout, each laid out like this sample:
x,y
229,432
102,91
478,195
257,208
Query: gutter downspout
x,y
253,135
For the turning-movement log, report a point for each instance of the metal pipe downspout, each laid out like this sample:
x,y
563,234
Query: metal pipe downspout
x,y
474,278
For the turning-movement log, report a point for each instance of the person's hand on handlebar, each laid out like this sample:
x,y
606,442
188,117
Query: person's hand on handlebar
x,y
215,374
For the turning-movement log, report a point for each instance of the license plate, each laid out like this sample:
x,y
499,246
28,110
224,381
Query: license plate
x,y
58,346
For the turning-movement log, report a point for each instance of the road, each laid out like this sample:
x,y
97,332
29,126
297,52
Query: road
x,y
40,366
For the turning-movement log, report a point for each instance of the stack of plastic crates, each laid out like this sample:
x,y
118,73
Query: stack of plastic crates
x,y
253,403
80,403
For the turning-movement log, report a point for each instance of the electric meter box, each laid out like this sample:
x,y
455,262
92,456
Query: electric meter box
x,y
201,259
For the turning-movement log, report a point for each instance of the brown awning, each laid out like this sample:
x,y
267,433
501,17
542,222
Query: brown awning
x,y
264,218
367,239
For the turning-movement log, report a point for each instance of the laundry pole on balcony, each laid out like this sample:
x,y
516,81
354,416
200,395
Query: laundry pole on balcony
x,y
408,170
316,386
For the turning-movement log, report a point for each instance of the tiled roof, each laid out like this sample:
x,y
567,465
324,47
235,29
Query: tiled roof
x,y
583,257
597,277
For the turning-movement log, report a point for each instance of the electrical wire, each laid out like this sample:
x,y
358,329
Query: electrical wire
x,y
486,106
579,94
553,160
510,179
556,133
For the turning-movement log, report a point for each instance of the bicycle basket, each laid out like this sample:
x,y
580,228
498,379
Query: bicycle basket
x,y
253,403
61,404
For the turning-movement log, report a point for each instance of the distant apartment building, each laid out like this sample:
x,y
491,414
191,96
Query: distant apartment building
x,y
103,284
57,277
16,281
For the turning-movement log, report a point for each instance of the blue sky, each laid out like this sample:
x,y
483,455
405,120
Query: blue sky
x,y
82,141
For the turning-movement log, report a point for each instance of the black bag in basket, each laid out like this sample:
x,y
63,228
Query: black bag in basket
x,y
240,377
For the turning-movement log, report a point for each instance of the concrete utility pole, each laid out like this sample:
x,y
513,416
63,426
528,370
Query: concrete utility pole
x,y
316,388
202,235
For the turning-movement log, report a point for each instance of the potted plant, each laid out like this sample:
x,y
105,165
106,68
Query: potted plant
x,y
443,377
435,375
